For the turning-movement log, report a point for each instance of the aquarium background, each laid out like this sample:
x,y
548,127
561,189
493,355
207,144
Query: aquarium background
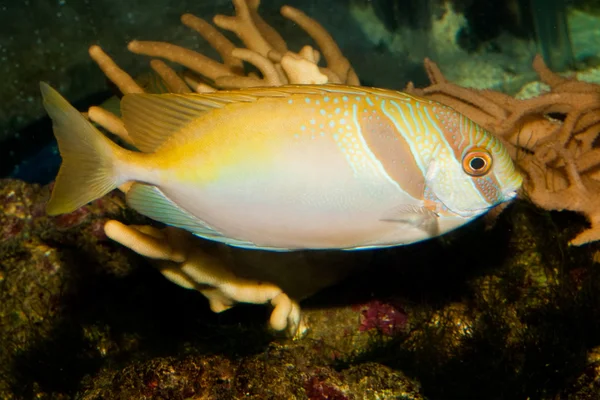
x,y
497,310
484,44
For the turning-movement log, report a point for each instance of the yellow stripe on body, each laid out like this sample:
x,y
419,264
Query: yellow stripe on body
x,y
247,138
209,148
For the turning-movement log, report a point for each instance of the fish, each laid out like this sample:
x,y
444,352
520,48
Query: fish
x,y
288,168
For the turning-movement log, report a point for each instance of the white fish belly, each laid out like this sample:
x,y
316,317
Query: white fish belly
x,y
311,197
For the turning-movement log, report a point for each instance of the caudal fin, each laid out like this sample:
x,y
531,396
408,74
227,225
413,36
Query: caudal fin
x,y
87,171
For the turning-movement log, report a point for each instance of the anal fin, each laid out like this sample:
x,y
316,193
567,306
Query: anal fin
x,y
153,203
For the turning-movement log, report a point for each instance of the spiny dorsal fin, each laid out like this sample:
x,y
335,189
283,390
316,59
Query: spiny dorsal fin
x,y
152,118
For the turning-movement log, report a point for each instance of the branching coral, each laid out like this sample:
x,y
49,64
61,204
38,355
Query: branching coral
x,y
553,137
181,259
265,49
180,256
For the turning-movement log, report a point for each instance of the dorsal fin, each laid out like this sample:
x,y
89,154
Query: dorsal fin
x,y
152,118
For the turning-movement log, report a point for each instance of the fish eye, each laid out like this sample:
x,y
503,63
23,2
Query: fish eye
x,y
477,162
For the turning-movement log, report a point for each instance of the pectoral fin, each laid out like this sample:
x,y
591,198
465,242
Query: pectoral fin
x,y
420,217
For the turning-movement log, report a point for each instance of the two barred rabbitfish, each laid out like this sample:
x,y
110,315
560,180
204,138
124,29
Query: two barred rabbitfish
x,y
286,168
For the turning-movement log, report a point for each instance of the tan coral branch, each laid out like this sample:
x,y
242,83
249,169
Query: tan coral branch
x,y
244,27
216,39
196,83
271,77
301,71
470,96
174,83
124,82
336,61
267,31
110,122
188,58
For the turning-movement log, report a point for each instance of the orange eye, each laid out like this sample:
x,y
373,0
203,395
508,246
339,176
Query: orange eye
x,y
477,162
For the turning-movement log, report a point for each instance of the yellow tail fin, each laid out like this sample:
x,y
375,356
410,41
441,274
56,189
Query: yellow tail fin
x,y
88,157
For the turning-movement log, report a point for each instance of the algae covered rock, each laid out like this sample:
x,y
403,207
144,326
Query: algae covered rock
x,y
511,311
